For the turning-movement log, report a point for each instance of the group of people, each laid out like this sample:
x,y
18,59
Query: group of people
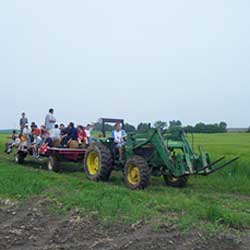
x,y
51,134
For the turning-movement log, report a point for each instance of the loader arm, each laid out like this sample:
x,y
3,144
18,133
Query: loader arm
x,y
162,153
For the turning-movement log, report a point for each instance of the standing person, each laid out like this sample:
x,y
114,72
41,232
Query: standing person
x,y
119,135
23,121
50,120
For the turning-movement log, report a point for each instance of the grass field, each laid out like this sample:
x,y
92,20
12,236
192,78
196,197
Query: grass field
x,y
220,201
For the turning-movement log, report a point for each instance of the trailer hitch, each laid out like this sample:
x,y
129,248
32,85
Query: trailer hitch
x,y
213,170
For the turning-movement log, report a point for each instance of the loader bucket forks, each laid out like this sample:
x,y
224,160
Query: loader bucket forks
x,y
212,167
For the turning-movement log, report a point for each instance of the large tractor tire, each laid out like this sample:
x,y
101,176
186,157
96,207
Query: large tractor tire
x,y
54,164
19,157
136,173
177,182
98,162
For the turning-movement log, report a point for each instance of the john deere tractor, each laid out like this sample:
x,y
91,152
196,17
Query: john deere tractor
x,y
152,153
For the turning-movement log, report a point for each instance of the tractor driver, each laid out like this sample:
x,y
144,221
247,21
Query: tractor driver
x,y
119,135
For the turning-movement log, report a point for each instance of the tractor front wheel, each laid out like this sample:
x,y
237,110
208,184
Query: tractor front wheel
x,y
136,173
98,162
176,181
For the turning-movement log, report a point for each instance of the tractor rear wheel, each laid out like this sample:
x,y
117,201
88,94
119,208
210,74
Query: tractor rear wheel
x,y
176,181
136,173
53,164
98,162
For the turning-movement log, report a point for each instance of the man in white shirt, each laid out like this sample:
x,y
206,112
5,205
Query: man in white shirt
x,y
88,133
55,133
50,120
119,135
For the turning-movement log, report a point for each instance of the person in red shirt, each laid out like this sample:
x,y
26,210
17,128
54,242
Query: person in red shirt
x,y
81,135
36,131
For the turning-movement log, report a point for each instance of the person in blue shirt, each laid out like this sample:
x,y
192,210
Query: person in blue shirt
x,y
71,135
119,135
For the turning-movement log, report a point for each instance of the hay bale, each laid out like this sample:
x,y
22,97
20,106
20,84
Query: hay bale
x,y
57,143
73,144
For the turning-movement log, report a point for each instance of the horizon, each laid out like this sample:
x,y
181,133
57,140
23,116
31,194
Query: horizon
x,y
136,125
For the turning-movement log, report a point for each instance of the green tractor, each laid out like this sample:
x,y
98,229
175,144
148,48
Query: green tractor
x,y
153,153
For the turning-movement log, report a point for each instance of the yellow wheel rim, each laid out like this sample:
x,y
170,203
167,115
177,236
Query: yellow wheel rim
x,y
133,175
93,163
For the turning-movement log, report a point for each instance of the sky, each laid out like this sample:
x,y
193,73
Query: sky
x,y
140,60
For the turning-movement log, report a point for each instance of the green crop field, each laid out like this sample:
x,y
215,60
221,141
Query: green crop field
x,y
220,201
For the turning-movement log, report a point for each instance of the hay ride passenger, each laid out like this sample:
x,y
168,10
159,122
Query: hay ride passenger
x,y
81,136
14,142
27,133
47,140
63,131
88,131
55,135
37,142
50,120
71,135
119,135
23,121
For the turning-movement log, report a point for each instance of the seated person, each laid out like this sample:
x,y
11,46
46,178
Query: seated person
x,y
71,135
14,142
119,135
55,133
37,142
46,143
36,132
88,130
43,131
81,136
62,130
27,133
46,139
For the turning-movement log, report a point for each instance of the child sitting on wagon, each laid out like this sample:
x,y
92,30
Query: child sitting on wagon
x,y
82,136
14,142
37,141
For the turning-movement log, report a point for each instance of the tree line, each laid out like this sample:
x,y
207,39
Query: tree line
x,y
162,125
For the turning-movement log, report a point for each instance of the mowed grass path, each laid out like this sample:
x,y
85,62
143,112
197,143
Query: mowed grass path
x,y
218,201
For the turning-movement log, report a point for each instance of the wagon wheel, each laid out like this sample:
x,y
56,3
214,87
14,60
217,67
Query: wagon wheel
x,y
136,173
172,181
19,158
53,164
98,162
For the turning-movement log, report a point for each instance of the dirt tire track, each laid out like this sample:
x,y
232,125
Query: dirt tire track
x,y
30,226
